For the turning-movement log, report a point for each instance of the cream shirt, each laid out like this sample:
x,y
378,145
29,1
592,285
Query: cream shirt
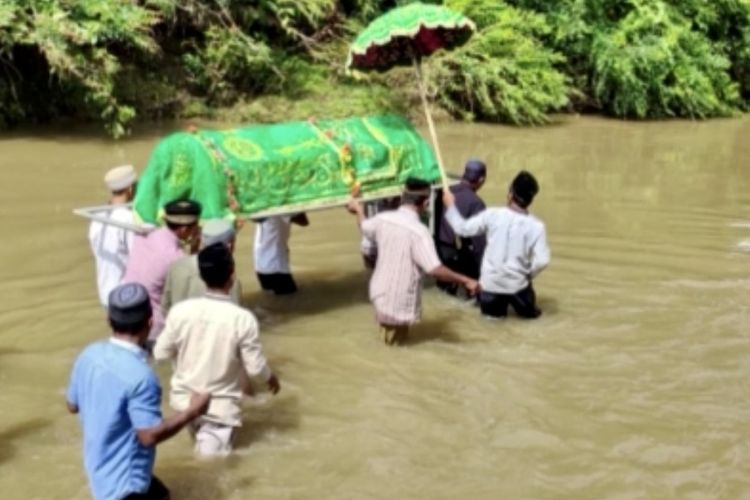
x,y
211,341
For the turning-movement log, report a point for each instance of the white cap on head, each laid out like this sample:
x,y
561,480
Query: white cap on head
x,y
217,231
120,178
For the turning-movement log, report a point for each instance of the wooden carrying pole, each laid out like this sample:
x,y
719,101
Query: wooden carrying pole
x,y
430,125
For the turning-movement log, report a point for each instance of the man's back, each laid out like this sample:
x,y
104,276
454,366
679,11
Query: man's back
x,y
111,245
212,340
116,392
405,252
150,258
184,282
516,250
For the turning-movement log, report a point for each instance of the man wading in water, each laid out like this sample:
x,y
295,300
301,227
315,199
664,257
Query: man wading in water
x,y
212,342
516,251
111,244
405,251
118,398
465,255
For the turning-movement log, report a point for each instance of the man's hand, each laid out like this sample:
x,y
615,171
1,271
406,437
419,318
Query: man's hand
x,y
448,198
353,206
273,384
472,286
199,402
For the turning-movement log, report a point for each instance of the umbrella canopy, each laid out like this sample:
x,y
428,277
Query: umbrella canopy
x,y
407,33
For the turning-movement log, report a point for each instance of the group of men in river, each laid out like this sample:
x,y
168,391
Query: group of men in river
x,y
172,294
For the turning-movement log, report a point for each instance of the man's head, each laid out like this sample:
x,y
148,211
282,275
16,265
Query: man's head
x,y
216,266
475,173
181,217
129,311
523,189
416,193
218,231
121,181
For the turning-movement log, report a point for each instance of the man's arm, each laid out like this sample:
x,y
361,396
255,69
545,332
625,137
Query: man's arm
x,y
300,220
71,407
166,344
166,295
251,353
151,436
540,254
442,273
473,226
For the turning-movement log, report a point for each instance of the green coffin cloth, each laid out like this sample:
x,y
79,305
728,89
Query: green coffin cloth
x,y
248,170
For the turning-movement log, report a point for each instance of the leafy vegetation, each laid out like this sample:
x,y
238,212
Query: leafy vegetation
x,y
271,60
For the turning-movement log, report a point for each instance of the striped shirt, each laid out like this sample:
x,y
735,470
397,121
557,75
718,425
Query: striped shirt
x,y
405,252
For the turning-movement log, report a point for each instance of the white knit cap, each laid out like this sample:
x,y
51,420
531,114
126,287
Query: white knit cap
x,y
120,178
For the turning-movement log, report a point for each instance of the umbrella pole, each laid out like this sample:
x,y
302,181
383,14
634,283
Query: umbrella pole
x,y
430,125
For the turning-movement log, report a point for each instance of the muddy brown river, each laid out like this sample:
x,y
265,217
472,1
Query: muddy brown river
x,y
633,385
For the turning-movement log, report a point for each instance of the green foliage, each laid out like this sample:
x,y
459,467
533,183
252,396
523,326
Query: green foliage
x,y
652,65
113,61
505,73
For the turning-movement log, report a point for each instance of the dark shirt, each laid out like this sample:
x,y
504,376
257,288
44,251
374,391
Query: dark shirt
x,y
468,205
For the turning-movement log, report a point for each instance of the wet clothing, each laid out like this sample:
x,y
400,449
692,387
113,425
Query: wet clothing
x,y
116,393
184,282
272,245
516,251
111,247
405,252
465,255
156,491
394,334
523,302
278,283
212,439
468,204
150,259
211,341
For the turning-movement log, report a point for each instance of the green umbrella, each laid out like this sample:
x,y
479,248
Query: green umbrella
x,y
403,36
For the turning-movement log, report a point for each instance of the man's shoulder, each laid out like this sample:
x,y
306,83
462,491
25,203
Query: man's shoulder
x,y
536,222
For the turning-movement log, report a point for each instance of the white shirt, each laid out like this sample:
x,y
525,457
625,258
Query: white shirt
x,y
111,247
211,341
516,251
272,246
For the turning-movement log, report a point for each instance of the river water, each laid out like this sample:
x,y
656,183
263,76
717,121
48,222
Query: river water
x,y
633,385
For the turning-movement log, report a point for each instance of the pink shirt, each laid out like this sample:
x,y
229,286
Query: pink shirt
x,y
405,252
150,258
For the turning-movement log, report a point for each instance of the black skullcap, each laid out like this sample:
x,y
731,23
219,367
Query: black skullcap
x,y
182,212
524,188
129,304
216,264
414,185
474,170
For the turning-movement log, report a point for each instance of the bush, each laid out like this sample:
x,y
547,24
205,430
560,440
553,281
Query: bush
x,y
652,65
504,73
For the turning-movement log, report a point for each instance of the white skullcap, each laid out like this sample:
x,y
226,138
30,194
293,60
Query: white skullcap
x,y
120,178
217,231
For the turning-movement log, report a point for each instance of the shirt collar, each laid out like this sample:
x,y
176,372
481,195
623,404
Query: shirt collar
x,y
217,296
129,346
410,211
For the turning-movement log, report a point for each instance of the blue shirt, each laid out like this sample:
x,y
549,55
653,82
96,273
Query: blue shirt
x,y
116,392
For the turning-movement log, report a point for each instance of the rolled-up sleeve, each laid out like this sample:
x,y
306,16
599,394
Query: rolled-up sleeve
x,y
467,228
251,351
144,404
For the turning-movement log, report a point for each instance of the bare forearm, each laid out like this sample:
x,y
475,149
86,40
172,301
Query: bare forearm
x,y
442,273
167,429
